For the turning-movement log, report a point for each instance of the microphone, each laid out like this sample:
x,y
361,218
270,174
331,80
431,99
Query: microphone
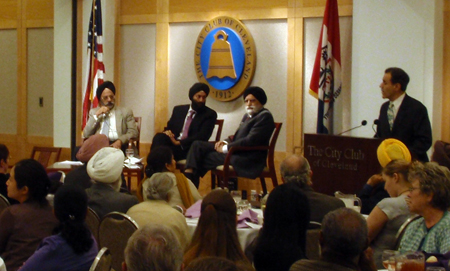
x,y
375,122
363,123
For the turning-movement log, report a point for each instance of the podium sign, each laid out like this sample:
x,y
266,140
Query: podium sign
x,y
341,163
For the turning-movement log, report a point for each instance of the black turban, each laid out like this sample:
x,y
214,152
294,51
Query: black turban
x,y
258,92
106,84
197,87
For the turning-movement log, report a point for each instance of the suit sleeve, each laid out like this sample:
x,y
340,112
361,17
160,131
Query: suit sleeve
x,y
131,130
92,124
422,132
259,134
206,129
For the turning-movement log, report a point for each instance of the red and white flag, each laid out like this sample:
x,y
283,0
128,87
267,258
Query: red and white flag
x,y
95,68
326,80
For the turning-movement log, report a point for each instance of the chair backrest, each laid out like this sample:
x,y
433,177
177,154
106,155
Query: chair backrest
x,y
272,144
4,203
93,222
312,244
114,231
138,138
46,154
402,229
102,261
219,124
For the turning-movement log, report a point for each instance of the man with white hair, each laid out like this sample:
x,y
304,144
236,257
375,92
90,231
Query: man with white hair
x,y
153,247
105,169
296,169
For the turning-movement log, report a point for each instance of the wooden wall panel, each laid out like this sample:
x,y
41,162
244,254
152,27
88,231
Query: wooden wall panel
x,y
195,6
137,7
8,14
39,9
445,126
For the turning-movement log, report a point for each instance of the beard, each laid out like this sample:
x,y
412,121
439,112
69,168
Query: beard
x,y
252,110
197,106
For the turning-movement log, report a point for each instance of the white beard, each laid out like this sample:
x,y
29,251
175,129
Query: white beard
x,y
252,110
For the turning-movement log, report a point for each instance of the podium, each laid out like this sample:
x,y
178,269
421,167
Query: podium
x,y
341,163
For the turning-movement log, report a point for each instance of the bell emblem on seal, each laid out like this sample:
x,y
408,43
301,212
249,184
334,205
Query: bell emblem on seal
x,y
221,58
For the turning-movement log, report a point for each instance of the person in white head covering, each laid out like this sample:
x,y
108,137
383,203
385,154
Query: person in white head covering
x,y
105,169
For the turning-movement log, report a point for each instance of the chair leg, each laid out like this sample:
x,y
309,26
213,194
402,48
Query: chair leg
x,y
274,180
263,185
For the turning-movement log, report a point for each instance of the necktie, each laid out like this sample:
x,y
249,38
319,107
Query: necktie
x,y
187,124
390,115
106,125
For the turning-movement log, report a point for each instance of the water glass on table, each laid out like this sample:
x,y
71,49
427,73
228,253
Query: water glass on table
x,y
388,258
237,195
130,154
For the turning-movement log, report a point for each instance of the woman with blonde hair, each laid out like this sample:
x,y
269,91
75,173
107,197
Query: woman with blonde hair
x,y
216,233
390,213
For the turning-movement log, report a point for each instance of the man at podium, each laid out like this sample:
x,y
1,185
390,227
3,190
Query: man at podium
x,y
403,117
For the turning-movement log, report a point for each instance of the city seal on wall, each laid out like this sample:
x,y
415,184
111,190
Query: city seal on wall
x,y
225,57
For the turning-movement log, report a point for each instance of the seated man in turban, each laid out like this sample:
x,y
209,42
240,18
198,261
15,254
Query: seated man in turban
x,y
105,169
255,129
188,123
116,122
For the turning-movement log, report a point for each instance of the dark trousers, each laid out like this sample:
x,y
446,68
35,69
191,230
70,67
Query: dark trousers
x,y
161,139
202,157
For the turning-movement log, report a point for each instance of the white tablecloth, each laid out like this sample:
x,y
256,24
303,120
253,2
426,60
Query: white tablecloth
x,y
245,235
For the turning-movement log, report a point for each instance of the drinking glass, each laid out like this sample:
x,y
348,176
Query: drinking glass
x,y
410,261
129,153
242,206
388,258
237,195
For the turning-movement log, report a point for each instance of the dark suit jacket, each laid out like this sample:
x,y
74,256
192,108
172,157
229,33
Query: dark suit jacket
x,y
201,127
411,126
103,199
255,131
320,204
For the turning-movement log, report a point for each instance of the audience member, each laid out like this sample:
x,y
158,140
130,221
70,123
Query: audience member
x,y
153,248
116,122
105,169
216,233
343,241
295,169
79,175
24,225
282,239
183,193
390,213
188,123
213,264
73,247
255,129
441,153
403,117
4,175
429,197
373,191
156,210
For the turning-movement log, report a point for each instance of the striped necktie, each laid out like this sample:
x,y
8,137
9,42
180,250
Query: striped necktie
x,y
188,123
390,115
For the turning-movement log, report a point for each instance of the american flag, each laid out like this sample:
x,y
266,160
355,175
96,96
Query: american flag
x,y
95,68
326,79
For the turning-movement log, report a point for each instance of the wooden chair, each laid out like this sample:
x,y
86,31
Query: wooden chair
x,y
102,261
137,140
46,154
114,231
219,124
402,229
4,203
226,171
93,222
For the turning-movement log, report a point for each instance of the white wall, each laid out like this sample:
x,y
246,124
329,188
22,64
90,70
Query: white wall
x,y
401,33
